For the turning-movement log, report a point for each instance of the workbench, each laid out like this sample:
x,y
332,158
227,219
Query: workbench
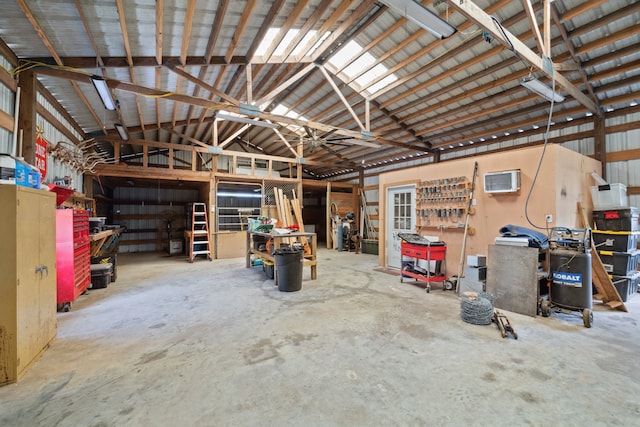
x,y
105,242
310,260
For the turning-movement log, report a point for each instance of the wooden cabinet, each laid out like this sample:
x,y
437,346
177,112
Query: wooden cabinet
x,y
28,280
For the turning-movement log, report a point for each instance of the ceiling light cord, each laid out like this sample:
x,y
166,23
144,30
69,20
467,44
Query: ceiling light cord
x,y
544,149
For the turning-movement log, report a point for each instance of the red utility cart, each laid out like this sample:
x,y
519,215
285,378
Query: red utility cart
x,y
415,248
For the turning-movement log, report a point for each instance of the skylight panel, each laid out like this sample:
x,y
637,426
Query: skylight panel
x,y
282,110
359,65
304,42
318,43
269,37
286,41
344,55
367,78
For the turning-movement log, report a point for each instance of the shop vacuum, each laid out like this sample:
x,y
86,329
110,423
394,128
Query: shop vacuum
x,y
570,273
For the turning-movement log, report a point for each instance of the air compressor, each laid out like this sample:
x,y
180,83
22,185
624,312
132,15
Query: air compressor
x,y
570,273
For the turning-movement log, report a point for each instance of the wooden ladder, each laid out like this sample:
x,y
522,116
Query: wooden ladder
x,y
607,292
199,239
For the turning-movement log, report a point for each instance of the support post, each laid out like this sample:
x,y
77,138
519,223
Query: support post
x,y
28,84
599,142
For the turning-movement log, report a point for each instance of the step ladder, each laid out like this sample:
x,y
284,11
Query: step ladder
x,y
199,239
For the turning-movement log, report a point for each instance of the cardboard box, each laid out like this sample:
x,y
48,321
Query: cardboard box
x,y
477,274
467,285
476,260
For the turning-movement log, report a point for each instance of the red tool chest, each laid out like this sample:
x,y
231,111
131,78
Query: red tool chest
x,y
73,261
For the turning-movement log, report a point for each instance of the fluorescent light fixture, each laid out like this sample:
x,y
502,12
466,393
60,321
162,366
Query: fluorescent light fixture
x,y
245,120
535,85
122,131
422,16
103,90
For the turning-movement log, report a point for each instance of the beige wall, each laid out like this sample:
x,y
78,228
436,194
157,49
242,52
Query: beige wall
x,y
563,180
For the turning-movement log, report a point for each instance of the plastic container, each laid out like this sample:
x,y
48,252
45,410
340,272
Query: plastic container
x,y
7,169
617,219
609,196
627,286
259,242
268,268
175,246
100,275
617,241
289,263
620,263
108,259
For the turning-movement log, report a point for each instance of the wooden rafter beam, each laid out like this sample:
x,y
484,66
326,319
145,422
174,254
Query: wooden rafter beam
x,y
127,47
274,10
265,99
341,96
309,23
198,149
202,84
186,31
210,105
208,54
604,20
583,8
87,29
572,52
286,143
504,36
60,109
158,103
159,29
58,60
292,18
240,28
125,32
363,8
533,23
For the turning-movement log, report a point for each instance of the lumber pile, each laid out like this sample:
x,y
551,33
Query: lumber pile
x,y
290,214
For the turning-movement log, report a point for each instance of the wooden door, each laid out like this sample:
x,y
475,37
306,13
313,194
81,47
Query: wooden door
x,y
36,284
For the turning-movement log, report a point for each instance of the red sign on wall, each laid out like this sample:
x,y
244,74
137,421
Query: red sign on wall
x,y
41,155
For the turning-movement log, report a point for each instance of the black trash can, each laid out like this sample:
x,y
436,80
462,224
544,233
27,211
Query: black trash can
x,y
289,263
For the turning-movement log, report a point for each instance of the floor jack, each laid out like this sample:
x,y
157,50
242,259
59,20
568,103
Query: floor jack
x,y
504,324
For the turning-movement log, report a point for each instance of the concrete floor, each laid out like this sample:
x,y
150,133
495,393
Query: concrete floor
x,y
215,344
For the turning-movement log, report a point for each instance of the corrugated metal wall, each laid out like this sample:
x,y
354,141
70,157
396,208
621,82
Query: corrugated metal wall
x,y
145,213
626,172
7,104
55,169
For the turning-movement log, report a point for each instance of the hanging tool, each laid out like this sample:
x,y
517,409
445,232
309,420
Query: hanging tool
x,y
503,323
466,225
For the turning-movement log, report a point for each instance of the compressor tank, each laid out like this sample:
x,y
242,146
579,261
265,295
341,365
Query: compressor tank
x,y
571,286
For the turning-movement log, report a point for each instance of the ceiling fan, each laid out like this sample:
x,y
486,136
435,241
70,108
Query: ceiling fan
x,y
328,139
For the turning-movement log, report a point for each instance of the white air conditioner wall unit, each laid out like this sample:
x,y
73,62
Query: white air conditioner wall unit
x,y
502,182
